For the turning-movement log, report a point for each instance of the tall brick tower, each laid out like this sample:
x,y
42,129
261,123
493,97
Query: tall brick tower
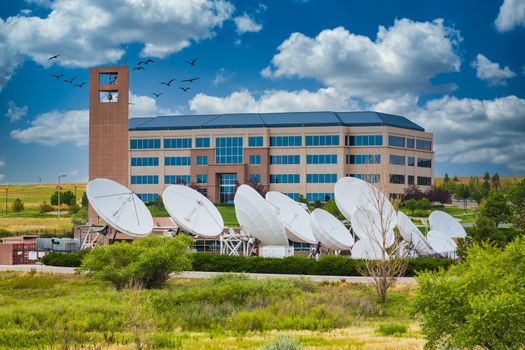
x,y
108,126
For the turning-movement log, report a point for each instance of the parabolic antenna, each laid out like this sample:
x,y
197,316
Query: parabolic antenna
x,y
366,249
411,234
259,218
352,194
294,217
369,225
119,207
330,231
444,222
441,243
192,211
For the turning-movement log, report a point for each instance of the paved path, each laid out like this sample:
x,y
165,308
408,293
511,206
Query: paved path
x,y
200,274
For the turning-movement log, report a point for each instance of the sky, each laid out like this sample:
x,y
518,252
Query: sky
x,y
455,67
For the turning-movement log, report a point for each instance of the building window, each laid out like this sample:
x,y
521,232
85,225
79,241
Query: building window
x,y
255,159
410,161
321,178
228,150
108,96
396,141
177,161
177,179
424,145
144,179
319,196
285,159
424,181
371,178
363,159
322,140
284,178
364,140
202,160
286,141
410,143
255,178
410,180
202,142
145,161
424,163
397,160
321,159
293,195
255,141
397,179
177,143
202,178
107,78
144,143
147,197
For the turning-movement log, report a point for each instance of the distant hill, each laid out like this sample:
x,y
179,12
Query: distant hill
x,y
504,180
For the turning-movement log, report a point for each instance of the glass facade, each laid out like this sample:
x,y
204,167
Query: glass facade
x,y
410,180
286,141
144,143
424,163
255,178
227,185
319,196
397,179
410,161
202,160
177,143
144,179
396,141
255,141
147,197
371,178
202,142
397,160
177,179
177,161
322,140
321,159
228,150
285,159
202,178
363,159
284,178
321,178
145,161
293,195
425,145
255,159
364,140
424,181
410,143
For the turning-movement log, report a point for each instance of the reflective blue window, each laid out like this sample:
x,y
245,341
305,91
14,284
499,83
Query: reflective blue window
x,y
371,178
286,141
202,142
202,160
255,141
424,145
145,161
410,180
322,140
202,178
147,197
397,160
285,159
144,144
255,159
177,143
227,186
144,179
410,143
321,178
284,178
177,161
364,140
319,196
321,159
424,181
396,141
255,178
397,179
228,150
293,195
363,159
410,161
424,163
177,179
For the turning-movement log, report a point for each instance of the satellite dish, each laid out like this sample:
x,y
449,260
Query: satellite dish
x,y
192,211
259,218
119,207
294,217
330,231
367,249
367,224
444,222
411,234
441,243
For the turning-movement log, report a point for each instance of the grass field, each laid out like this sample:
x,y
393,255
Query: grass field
x,y
228,312
505,180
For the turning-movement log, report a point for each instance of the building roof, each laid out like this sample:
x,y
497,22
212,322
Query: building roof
x,y
271,120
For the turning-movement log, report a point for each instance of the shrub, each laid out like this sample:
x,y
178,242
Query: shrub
x,y
66,197
61,259
423,204
44,208
420,213
147,262
392,329
282,343
477,303
17,206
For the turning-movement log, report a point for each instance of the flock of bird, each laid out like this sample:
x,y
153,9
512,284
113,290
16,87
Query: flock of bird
x,y
139,67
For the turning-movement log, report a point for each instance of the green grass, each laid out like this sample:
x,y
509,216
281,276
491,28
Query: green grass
x,y
228,215
33,195
230,312
392,329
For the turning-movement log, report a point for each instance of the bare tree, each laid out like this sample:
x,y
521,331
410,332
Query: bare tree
x,y
140,318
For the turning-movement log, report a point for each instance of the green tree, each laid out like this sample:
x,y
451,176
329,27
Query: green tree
x,y
446,179
411,205
477,303
423,204
495,181
455,179
486,176
66,197
44,208
147,262
517,199
496,207
332,208
80,217
484,231
17,206
462,192
84,201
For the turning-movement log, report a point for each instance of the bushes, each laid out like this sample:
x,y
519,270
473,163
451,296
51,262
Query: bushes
x,y
60,259
392,329
282,343
328,265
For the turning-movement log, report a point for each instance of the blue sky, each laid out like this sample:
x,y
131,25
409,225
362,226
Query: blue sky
x,y
455,67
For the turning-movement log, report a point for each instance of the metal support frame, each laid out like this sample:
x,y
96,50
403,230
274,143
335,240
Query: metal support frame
x,y
236,244
95,236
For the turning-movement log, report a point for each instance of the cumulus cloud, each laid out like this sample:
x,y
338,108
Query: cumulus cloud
x,y
145,106
402,59
222,77
491,71
246,24
93,32
511,15
2,163
15,113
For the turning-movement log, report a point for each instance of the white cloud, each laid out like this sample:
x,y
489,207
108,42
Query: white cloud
x,y
491,71
15,113
2,177
401,60
93,32
222,77
511,15
145,106
246,24
2,163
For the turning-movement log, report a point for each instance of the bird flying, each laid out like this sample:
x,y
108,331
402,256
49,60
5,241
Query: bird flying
x,y
80,85
149,60
139,68
184,88
192,62
156,94
189,80
168,83
70,80
53,57
58,76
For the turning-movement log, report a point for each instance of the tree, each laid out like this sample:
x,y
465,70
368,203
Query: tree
x,y
413,192
332,208
495,182
17,206
411,205
84,202
484,231
302,199
44,208
423,204
440,195
455,179
66,197
486,176
517,199
478,303
81,217
496,207
463,192
446,179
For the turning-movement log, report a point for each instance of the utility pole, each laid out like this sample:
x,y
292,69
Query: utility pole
x,y
6,190
59,177
76,199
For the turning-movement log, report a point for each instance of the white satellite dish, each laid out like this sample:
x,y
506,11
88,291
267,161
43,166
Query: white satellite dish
x,y
293,216
366,249
367,224
259,218
411,234
441,243
119,207
192,211
330,231
444,222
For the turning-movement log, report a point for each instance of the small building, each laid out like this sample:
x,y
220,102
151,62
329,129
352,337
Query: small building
x,y
19,250
58,245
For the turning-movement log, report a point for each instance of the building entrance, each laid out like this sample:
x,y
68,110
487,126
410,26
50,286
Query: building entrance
x,y
227,183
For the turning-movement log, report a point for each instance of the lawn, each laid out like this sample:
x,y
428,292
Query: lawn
x,y
228,312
